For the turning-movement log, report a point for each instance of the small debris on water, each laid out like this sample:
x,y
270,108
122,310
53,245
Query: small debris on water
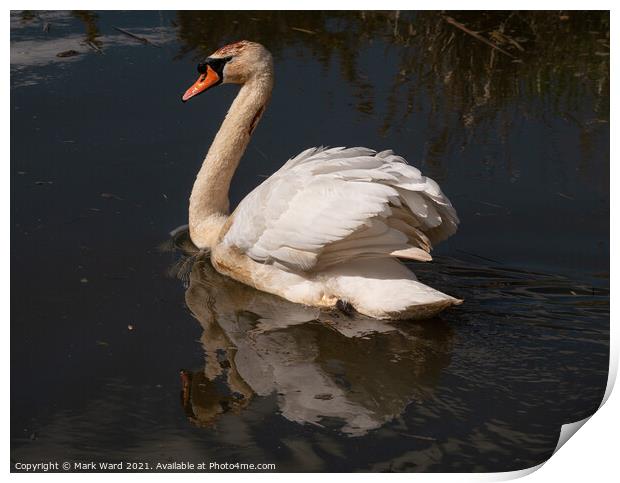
x,y
68,53
94,46
43,183
130,327
112,196
324,396
565,196
136,37
305,31
84,280
102,343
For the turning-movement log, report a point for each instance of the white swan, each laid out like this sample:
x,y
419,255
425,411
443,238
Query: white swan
x,y
329,225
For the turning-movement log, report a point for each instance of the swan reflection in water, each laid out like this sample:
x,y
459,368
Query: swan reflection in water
x,y
327,368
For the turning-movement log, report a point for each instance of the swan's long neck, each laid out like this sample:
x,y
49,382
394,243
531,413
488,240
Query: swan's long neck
x,y
208,203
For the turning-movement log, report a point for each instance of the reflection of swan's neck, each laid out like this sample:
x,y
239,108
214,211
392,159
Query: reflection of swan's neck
x,y
208,204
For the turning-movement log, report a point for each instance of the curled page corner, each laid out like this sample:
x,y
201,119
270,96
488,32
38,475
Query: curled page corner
x,y
567,431
513,475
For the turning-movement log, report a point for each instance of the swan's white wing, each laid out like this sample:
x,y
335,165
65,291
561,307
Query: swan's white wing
x,y
326,206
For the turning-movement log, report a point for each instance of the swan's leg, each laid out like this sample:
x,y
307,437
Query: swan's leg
x,y
345,307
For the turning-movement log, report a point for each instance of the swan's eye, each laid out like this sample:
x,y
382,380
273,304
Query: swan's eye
x,y
217,64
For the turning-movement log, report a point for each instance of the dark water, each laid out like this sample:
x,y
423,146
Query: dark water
x,y
106,310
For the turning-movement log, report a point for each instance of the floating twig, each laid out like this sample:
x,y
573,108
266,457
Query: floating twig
x,y
93,46
476,35
136,37
479,256
305,31
491,204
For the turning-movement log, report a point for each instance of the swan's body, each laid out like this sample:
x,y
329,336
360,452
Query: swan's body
x,y
329,225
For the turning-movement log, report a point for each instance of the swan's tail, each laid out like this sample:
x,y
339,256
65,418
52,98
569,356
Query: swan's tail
x,y
386,289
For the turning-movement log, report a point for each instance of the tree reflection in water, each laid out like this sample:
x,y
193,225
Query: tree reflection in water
x,y
560,60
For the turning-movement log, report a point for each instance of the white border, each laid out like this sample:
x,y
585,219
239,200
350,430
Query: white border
x,y
590,455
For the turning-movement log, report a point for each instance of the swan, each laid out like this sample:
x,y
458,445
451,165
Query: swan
x,y
328,228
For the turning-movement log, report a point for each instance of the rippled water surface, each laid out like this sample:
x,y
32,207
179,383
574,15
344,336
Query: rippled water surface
x,y
125,347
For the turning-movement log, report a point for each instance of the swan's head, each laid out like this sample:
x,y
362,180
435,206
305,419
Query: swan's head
x,y
234,63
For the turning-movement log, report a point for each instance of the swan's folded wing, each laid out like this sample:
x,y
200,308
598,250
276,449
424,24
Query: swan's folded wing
x,y
326,206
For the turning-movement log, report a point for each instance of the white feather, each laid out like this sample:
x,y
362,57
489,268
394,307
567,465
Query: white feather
x,y
326,206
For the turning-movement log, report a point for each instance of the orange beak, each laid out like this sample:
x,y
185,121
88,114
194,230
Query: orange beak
x,y
209,79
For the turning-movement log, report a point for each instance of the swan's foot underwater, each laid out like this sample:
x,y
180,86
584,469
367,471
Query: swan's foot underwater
x,y
345,307
415,312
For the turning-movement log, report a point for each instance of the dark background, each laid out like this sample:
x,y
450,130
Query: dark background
x,y
103,156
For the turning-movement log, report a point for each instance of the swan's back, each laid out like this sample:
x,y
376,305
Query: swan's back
x,y
328,206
